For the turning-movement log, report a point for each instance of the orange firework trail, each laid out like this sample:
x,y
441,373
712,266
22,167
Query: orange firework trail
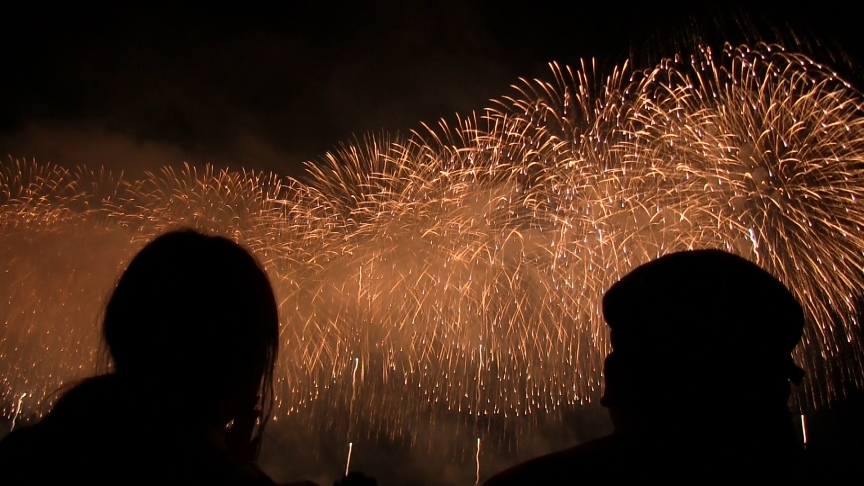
x,y
460,269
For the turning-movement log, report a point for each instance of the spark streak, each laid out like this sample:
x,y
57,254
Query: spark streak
x,y
804,429
18,411
477,459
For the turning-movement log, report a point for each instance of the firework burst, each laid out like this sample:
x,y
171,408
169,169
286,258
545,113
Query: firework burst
x,y
461,268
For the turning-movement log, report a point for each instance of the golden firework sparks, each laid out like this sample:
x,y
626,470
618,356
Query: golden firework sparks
x,y
461,268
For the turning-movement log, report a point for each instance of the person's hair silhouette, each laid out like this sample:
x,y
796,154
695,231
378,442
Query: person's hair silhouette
x,y
192,333
194,316
697,383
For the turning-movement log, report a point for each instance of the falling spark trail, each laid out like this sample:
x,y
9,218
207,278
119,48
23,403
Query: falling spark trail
x,y
354,375
477,458
804,429
348,462
17,411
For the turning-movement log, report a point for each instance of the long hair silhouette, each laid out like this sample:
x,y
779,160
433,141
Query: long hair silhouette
x,y
194,316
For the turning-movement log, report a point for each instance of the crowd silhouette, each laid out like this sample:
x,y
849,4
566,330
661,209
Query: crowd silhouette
x,y
697,384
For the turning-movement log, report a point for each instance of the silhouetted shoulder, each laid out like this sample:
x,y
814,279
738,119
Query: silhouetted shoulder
x,y
88,438
16,450
616,456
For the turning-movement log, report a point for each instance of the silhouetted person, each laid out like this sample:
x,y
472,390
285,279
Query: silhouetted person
x,y
697,383
193,333
356,478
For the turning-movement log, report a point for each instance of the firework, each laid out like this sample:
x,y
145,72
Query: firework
x,y
460,269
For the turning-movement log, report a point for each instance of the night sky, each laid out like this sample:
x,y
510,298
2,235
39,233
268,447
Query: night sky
x,y
269,88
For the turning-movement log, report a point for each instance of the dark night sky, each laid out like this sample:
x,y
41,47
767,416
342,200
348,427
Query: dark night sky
x,y
268,89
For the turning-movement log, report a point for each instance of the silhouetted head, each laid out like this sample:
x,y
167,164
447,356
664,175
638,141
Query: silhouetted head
x,y
702,330
194,317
